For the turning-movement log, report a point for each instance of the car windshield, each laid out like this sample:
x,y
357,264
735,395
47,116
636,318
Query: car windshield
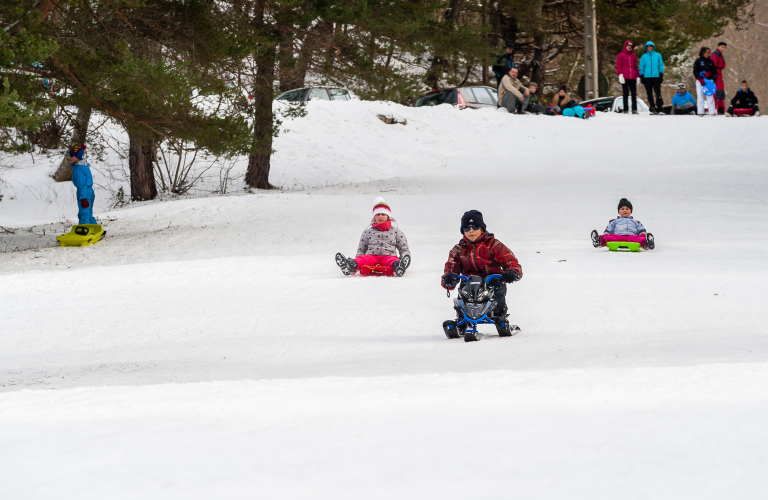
x,y
339,94
292,95
483,96
441,97
603,105
319,94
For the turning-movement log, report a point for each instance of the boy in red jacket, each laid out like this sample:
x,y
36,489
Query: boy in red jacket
x,y
479,253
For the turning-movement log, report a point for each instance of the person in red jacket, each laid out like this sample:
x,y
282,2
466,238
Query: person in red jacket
x,y
719,60
628,71
479,253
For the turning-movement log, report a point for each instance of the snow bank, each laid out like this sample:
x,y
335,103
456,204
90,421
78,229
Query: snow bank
x,y
210,347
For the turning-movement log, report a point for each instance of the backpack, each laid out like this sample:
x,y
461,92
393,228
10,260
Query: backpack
x,y
709,88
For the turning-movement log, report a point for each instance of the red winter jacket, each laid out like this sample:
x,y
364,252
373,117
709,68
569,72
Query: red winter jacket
x,y
626,63
484,257
719,61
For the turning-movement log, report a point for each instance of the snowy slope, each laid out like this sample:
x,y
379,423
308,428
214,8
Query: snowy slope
x,y
210,348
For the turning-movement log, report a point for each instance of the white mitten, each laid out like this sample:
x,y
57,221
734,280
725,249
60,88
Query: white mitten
x,y
621,79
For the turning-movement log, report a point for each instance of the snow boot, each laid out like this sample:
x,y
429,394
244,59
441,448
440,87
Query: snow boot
x,y
348,266
649,241
401,265
501,320
728,115
635,113
595,239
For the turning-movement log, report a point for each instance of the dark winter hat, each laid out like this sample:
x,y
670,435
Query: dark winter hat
x,y
77,151
510,45
472,218
563,89
625,203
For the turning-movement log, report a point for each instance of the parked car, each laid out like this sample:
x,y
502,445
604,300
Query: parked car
x,y
475,97
615,104
316,93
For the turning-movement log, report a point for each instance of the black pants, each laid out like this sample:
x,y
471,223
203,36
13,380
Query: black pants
x,y
653,85
629,86
754,107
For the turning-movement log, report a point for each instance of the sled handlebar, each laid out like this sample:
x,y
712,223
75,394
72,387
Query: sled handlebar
x,y
487,280
465,278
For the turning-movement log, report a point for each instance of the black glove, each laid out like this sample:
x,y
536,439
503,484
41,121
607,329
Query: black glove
x,y
642,80
450,280
510,276
495,282
661,77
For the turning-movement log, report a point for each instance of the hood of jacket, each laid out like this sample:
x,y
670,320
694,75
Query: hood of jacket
x,y
627,43
651,44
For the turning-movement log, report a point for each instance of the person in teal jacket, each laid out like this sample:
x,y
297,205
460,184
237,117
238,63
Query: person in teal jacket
x,y
683,102
652,74
83,181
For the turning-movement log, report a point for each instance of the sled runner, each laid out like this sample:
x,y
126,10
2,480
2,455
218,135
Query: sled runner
x,y
82,235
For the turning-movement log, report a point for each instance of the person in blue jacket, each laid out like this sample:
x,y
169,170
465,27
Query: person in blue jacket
x,y
624,228
83,181
652,74
683,102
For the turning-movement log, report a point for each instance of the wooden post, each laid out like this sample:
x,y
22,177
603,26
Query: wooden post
x,y
591,82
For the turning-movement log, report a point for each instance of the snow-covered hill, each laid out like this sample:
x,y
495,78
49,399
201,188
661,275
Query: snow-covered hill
x,y
210,348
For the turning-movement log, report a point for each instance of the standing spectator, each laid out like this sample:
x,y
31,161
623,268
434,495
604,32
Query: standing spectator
x,y
504,63
704,64
745,101
683,102
719,60
626,68
512,93
534,106
652,74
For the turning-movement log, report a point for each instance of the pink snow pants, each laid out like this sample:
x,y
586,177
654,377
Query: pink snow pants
x,y
632,238
366,263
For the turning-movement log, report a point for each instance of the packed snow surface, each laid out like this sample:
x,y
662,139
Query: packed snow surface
x,y
210,348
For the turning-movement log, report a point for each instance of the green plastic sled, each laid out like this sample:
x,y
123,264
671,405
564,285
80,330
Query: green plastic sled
x,y
82,235
625,246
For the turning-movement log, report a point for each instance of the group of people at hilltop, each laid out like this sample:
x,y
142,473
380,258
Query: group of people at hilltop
x,y
649,69
519,98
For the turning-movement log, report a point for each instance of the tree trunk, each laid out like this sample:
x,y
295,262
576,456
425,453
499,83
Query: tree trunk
x,y
79,132
141,155
257,175
540,60
435,71
293,67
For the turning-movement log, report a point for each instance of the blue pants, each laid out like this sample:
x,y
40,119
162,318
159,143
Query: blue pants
x,y
85,215
577,111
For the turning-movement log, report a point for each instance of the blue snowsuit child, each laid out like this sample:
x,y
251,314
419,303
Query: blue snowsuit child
x,y
83,181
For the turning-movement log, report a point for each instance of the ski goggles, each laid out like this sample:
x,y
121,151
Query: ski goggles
x,y
681,86
464,229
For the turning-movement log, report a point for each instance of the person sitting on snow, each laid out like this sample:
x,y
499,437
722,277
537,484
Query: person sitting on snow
x,y
479,253
534,106
378,247
744,102
624,228
83,181
512,93
683,102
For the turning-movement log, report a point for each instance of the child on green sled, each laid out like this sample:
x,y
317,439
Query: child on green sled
x,y
624,228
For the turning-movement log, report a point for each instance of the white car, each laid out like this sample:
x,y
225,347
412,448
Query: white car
x,y
615,104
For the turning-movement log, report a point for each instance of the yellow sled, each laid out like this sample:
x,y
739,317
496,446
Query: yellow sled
x,y
82,235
